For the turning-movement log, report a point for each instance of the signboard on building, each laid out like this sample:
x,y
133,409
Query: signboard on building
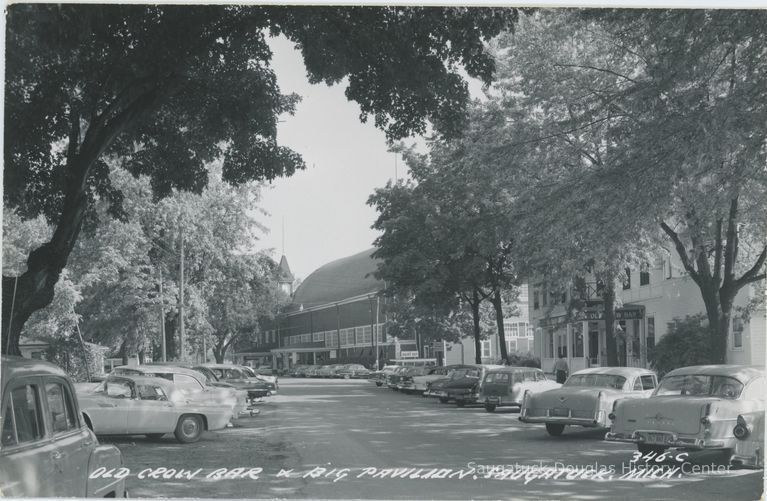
x,y
408,354
593,315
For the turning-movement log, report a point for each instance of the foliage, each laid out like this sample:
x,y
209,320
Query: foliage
x,y
523,360
685,343
67,353
167,89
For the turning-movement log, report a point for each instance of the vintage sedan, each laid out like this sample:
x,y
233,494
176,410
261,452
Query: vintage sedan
x,y
238,378
586,398
263,374
194,385
353,371
465,390
392,379
151,406
436,387
379,377
749,449
698,407
421,382
507,386
406,383
46,448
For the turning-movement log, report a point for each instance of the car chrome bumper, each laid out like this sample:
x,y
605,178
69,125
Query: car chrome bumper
x,y
673,440
598,420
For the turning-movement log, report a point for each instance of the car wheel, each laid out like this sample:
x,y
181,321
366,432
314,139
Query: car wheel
x,y
378,383
645,449
555,429
443,400
189,429
155,436
460,403
490,407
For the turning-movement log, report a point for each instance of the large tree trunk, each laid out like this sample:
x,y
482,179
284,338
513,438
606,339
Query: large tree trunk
x,y
609,302
477,333
498,305
718,284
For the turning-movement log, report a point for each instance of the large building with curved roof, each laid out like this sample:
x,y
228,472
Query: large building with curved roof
x,y
336,315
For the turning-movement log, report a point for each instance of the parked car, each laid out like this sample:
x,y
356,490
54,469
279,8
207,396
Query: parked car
x,y
312,370
436,388
586,398
353,371
328,371
465,390
151,406
46,448
194,385
392,379
421,382
262,374
406,383
749,449
506,387
698,407
379,377
238,378
210,378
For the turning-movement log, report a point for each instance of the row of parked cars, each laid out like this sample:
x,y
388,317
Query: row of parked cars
x,y
710,407
340,371
49,445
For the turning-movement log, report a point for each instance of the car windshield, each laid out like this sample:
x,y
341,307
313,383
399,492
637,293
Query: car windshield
x,y
596,380
695,385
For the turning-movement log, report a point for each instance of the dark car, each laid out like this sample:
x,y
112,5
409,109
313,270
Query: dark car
x,y
436,387
47,449
466,389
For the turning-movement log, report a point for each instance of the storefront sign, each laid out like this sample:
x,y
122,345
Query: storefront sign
x,y
592,315
408,354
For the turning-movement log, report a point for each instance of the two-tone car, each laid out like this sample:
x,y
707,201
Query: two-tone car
x,y
46,447
151,406
465,390
698,407
507,386
587,398
264,374
421,382
194,385
238,378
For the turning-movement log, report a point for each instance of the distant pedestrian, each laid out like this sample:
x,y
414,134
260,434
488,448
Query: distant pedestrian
x,y
560,369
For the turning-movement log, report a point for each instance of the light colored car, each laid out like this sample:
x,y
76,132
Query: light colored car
x,y
587,397
328,371
507,386
46,448
392,379
240,379
263,375
696,407
353,371
749,449
194,385
405,383
379,377
151,406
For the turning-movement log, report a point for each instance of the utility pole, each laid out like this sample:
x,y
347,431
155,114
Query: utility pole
x,y
182,336
162,323
375,332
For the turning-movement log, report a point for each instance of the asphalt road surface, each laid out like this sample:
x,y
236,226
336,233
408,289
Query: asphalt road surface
x,y
340,439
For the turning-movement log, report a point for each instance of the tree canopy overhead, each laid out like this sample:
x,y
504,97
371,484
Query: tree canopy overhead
x,y
168,88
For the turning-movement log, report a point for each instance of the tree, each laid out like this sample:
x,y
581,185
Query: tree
x,y
170,88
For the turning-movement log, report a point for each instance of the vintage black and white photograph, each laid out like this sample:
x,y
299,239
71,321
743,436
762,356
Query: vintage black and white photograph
x,y
328,251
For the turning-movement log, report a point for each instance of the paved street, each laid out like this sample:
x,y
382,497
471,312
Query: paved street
x,y
337,424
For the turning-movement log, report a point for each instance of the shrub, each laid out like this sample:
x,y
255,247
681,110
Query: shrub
x,y
685,343
524,360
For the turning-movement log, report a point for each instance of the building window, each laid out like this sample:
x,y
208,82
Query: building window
x,y
318,337
530,330
644,277
536,305
486,349
550,343
544,294
367,336
627,282
650,333
514,331
737,333
511,345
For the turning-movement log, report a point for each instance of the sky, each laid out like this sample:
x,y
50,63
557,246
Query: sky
x,y
324,207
